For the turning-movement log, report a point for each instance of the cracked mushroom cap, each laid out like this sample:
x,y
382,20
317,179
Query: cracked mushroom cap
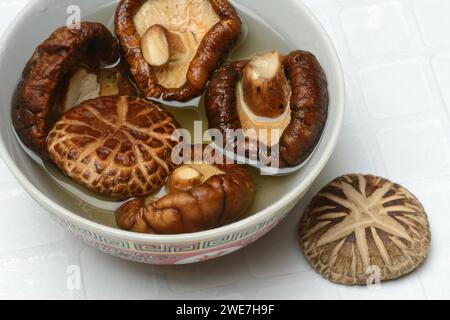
x,y
362,227
118,145
54,80
283,98
174,46
200,197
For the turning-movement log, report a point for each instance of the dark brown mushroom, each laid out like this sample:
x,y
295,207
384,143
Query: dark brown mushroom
x,y
286,93
47,76
201,196
173,47
119,146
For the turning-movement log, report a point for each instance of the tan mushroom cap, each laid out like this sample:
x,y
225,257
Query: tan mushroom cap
x,y
201,196
362,226
118,146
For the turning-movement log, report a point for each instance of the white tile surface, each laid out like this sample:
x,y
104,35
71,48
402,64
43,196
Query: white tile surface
x,y
415,151
5,175
433,17
435,276
441,64
211,274
376,30
40,276
396,89
105,277
351,106
437,202
278,253
306,286
24,224
352,154
407,288
396,56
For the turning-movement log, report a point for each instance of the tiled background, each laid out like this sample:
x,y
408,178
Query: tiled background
x,y
396,56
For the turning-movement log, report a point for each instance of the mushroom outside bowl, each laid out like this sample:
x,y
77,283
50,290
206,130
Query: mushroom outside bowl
x,y
289,18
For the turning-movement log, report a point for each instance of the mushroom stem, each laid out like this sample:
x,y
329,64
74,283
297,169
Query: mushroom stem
x,y
183,179
265,86
159,45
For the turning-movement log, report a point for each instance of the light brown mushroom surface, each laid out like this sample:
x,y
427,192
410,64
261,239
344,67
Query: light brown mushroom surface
x,y
201,196
88,82
65,69
360,227
173,46
118,146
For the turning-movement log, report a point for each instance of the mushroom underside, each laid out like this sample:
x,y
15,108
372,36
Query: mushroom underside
x,y
89,83
174,44
173,47
36,106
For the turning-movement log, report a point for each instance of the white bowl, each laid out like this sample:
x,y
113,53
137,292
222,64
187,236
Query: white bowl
x,y
289,18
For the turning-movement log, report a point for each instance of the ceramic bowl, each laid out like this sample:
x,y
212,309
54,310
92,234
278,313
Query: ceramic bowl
x,y
289,18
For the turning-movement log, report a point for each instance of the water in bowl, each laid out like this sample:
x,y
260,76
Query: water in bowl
x,y
259,37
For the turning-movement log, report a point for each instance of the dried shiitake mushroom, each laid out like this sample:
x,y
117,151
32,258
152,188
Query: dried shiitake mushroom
x,y
201,196
57,66
118,145
272,92
174,46
360,227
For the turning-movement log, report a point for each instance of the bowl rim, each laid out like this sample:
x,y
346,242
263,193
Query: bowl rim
x,y
252,220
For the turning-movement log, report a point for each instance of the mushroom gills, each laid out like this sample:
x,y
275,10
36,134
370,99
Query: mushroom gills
x,y
85,85
183,25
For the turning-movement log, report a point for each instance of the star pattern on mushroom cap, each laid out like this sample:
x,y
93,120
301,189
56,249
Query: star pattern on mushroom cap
x,y
359,221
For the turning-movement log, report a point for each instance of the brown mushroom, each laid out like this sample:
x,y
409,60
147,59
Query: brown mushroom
x,y
173,47
201,196
283,93
118,145
56,64
360,223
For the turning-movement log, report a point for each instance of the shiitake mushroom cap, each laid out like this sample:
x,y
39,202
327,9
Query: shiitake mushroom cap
x,y
118,146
